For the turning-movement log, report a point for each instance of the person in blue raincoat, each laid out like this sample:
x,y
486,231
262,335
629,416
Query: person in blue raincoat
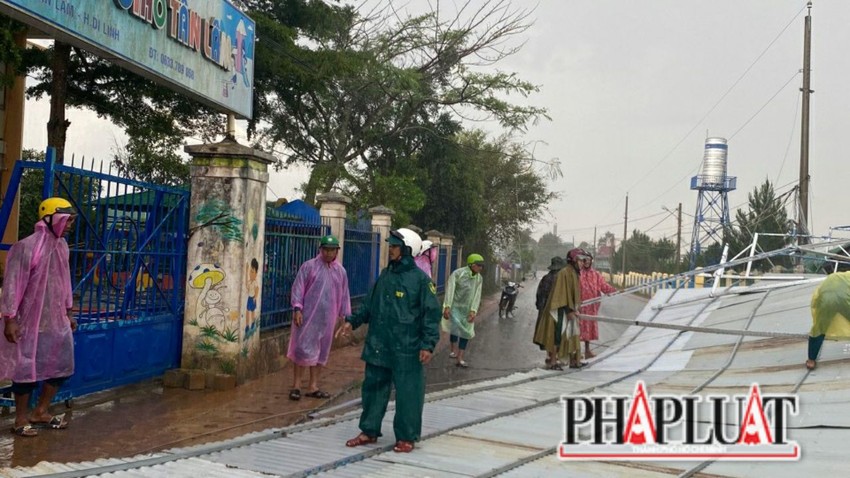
x,y
460,305
403,316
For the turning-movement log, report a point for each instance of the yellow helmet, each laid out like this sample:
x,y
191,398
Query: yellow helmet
x,y
54,205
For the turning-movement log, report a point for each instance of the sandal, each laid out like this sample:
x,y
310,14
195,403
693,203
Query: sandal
x,y
461,364
318,394
295,394
577,365
555,366
25,431
402,446
811,364
56,422
452,355
361,439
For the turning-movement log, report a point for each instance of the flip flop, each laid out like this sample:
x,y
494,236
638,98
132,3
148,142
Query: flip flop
x,y
361,439
402,446
295,394
56,422
318,394
27,431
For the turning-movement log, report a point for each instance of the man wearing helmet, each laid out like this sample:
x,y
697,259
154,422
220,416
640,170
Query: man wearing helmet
x,y
558,332
403,316
35,305
460,305
321,300
425,259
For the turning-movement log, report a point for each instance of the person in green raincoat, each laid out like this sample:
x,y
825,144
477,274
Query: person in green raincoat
x,y
460,305
403,316
830,314
557,330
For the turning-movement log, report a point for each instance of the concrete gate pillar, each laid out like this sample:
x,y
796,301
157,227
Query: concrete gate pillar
x,y
382,218
448,241
221,329
332,208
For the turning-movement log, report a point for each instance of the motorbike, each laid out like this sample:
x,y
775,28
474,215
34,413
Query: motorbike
x,y
508,299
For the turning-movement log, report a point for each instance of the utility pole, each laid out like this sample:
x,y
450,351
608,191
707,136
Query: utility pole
x,y
679,238
625,232
803,217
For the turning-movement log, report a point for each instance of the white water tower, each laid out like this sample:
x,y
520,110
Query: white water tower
x,y
713,185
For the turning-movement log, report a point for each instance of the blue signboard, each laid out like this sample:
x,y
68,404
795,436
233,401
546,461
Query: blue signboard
x,y
203,48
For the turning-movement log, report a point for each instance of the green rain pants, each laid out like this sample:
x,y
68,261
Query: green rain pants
x,y
409,384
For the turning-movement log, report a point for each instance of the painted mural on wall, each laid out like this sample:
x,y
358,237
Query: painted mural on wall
x,y
212,316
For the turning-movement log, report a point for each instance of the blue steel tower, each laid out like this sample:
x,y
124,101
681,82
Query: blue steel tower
x,y
712,213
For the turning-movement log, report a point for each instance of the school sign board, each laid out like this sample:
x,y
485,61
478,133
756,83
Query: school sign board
x,y
202,48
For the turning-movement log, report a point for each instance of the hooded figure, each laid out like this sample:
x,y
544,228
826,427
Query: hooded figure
x,y
36,306
425,260
830,313
321,301
403,316
557,330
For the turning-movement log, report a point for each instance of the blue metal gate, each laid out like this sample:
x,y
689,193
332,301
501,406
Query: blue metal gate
x,y
128,265
360,258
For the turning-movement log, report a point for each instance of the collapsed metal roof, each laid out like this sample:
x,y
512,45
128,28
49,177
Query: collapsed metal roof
x,y
511,426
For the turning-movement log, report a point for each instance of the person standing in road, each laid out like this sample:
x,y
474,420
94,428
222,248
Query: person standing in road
x,y
36,306
460,305
321,300
403,316
560,319
593,285
544,289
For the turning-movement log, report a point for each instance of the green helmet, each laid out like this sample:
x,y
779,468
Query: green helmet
x,y
330,242
475,259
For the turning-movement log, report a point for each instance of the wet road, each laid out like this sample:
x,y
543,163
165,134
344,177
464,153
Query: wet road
x,y
503,346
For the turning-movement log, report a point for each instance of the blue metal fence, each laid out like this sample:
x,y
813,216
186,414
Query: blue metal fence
x,y
360,258
288,244
441,269
128,265
454,263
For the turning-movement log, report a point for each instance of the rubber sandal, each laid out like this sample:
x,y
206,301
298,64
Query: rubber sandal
x,y
295,394
318,394
25,431
555,366
452,355
402,446
55,423
811,364
578,365
361,439
461,364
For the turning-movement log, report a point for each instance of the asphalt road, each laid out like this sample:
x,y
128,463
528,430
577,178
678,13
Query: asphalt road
x,y
503,346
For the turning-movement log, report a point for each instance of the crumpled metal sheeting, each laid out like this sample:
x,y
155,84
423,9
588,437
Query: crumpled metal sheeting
x,y
383,469
552,466
46,468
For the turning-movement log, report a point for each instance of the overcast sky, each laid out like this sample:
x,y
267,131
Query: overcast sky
x,y
626,81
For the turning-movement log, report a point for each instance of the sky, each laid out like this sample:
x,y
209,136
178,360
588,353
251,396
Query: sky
x,y
633,88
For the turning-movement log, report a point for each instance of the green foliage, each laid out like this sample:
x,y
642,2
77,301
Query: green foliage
x,y
204,345
228,367
645,255
766,214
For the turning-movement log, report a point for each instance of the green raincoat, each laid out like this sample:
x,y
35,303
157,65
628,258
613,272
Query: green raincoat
x,y
831,307
554,332
463,295
403,316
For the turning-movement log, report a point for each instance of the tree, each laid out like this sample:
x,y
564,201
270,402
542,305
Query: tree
x,y
378,76
766,214
645,255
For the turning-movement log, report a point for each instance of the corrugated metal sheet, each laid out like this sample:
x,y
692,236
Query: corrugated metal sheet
x,y
505,425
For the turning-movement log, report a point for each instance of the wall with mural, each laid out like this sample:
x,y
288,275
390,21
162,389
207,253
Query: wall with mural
x,y
225,252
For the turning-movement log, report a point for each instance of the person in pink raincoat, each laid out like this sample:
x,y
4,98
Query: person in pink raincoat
x,y
593,285
321,301
427,257
36,306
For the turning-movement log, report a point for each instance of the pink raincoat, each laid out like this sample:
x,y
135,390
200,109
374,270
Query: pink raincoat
x,y
424,260
321,292
37,290
592,286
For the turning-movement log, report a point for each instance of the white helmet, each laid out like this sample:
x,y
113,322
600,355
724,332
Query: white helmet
x,y
410,238
426,244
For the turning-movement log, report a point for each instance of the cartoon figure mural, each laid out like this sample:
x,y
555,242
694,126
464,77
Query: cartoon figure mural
x,y
253,293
